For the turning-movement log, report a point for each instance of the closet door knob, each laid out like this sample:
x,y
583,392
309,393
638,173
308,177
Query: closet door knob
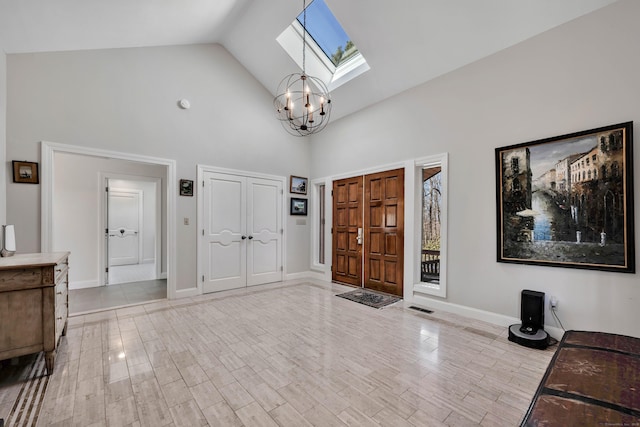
x,y
244,237
250,237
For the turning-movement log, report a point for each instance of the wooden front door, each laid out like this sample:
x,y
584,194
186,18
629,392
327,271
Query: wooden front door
x,y
384,231
347,219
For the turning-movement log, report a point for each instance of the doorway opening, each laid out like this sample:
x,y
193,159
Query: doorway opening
x,y
74,219
131,222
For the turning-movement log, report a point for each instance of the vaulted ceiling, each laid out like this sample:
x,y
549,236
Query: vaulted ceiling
x,y
406,42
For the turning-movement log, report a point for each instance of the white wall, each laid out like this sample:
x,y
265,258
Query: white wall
x,y
148,214
579,76
76,212
126,100
4,170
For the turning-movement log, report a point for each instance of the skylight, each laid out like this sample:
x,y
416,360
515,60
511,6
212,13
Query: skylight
x,y
325,30
331,54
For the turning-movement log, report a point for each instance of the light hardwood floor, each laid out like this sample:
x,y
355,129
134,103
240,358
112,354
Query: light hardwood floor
x,y
290,355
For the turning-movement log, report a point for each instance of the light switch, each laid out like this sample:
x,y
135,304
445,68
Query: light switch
x,y
186,221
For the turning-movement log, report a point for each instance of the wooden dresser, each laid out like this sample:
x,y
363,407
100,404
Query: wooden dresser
x,y
33,304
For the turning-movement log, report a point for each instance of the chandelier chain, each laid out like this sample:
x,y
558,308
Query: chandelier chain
x,y
304,35
302,103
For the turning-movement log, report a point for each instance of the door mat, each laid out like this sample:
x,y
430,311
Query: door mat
x,y
370,298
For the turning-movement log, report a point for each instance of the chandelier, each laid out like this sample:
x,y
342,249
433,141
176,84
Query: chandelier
x,y
303,103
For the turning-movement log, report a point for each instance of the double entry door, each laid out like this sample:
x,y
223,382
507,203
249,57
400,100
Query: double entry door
x,y
242,231
368,231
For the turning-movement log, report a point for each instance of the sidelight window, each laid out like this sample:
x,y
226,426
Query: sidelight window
x,y
431,220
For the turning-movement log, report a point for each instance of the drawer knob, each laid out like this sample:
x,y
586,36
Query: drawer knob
x,y
59,318
59,293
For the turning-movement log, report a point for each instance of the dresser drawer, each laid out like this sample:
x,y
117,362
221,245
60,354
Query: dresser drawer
x,y
61,271
61,321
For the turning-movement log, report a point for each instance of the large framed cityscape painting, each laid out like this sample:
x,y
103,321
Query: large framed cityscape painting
x,y
567,201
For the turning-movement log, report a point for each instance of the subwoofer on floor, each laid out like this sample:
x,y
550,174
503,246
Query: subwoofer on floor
x,y
530,333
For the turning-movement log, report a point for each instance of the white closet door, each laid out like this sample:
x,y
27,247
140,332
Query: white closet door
x,y
264,229
224,249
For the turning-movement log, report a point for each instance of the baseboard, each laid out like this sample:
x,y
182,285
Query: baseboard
x,y
462,310
186,293
305,275
475,313
82,284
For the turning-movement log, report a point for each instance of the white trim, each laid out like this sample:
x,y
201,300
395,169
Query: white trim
x,y
201,169
314,216
83,284
187,293
474,313
414,276
47,152
306,275
367,171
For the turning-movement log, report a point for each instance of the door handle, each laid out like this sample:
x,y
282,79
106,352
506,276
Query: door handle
x,y
250,237
359,236
244,237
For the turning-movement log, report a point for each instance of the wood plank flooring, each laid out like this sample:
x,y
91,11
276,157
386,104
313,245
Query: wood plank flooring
x,y
287,355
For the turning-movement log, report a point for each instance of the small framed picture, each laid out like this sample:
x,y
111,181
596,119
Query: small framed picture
x,y
298,185
186,187
298,206
25,172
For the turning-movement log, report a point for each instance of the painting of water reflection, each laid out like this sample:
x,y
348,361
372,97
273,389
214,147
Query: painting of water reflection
x,y
568,201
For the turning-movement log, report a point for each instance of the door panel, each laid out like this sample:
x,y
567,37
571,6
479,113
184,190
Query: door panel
x,y
264,213
224,201
123,226
347,218
384,231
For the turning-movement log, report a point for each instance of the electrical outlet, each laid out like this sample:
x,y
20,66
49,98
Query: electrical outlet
x,y
186,221
553,304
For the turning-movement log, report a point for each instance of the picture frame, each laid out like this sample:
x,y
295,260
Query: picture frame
x,y
25,172
567,201
186,187
298,185
298,206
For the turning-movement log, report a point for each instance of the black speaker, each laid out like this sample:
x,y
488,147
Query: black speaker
x,y
532,310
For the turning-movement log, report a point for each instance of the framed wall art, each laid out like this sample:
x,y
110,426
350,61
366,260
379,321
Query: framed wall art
x,y
298,206
298,185
186,187
567,201
25,172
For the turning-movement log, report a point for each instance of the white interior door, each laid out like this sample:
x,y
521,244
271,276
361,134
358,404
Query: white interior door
x,y
264,229
242,231
224,249
124,213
